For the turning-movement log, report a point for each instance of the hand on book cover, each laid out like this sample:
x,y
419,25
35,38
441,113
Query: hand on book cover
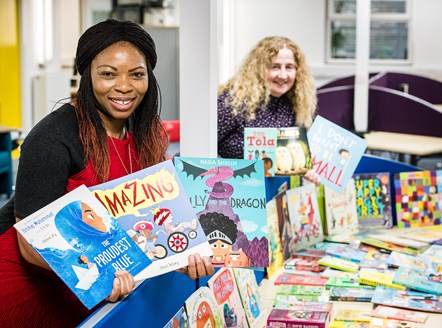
x,y
314,177
198,267
123,285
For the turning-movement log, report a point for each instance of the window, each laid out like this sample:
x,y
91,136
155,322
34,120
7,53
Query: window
x,y
389,31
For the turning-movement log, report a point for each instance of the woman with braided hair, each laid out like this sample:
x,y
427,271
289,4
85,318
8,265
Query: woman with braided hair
x,y
110,129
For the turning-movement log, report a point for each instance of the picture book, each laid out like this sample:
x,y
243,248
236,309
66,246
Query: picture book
x,y
225,290
339,264
83,244
375,278
285,228
179,320
415,206
389,312
392,323
309,254
252,302
433,251
351,294
293,319
352,315
329,272
373,200
348,324
309,265
202,309
295,279
292,153
343,282
346,252
388,246
304,216
397,259
275,246
418,280
375,260
299,290
340,210
280,300
335,152
229,198
424,235
154,209
294,305
407,299
260,143
398,240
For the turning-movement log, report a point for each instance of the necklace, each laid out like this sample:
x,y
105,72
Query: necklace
x,y
119,157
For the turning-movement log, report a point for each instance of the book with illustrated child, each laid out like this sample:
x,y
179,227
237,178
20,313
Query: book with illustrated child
x,y
335,152
229,199
83,244
154,209
260,143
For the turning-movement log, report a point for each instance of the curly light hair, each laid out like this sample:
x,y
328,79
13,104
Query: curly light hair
x,y
249,90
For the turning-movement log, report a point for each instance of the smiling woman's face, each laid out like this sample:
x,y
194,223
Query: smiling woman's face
x,y
282,73
119,80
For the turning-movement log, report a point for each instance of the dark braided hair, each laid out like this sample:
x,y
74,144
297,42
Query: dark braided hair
x,y
149,134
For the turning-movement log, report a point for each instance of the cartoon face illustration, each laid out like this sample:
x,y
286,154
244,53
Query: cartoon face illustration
x,y
220,250
90,217
204,316
236,259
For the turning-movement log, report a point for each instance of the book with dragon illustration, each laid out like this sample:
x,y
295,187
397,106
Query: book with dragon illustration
x,y
153,207
373,200
83,244
260,143
341,217
228,196
202,309
225,290
304,216
415,204
335,152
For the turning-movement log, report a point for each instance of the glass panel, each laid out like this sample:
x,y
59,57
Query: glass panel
x,y
389,40
388,7
344,7
343,39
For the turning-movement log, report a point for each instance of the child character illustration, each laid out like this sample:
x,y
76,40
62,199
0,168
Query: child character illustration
x,y
229,316
253,303
345,156
163,217
257,156
268,164
86,277
144,237
221,232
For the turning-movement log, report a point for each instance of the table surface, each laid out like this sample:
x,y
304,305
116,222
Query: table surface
x,y
403,143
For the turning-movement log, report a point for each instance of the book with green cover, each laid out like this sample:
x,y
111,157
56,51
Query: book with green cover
x,y
339,264
344,282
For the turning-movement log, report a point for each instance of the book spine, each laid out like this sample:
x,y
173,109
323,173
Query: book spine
x,y
281,323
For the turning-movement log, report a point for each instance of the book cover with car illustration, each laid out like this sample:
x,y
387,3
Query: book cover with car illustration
x,y
83,244
154,209
229,198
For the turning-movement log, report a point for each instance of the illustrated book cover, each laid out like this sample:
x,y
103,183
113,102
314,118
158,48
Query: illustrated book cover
x,y
408,299
388,246
153,207
179,320
389,312
260,143
309,265
202,309
397,259
285,229
292,154
392,323
423,234
341,215
335,152
228,196
275,246
353,315
252,302
351,294
343,282
295,279
305,220
225,290
298,318
415,205
293,305
418,280
83,244
346,252
375,278
339,264
398,240
373,200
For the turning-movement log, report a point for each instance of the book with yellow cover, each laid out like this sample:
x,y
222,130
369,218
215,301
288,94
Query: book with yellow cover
x,y
391,323
353,315
339,264
375,278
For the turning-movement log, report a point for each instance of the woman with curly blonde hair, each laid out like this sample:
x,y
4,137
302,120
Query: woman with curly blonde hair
x,y
272,88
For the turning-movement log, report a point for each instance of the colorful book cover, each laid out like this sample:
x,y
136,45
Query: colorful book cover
x,y
154,209
343,282
304,216
307,265
346,252
275,245
407,299
388,312
250,296
202,309
397,259
225,290
335,152
398,240
418,280
339,264
309,254
295,305
284,225
299,290
433,251
348,324
376,278
294,279
392,323
353,315
179,320
351,294
300,318
373,200
260,143
426,236
83,244
340,210
415,205
292,154
229,198
389,246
